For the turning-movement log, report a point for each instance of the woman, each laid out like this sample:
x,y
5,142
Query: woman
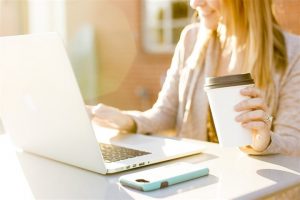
x,y
236,36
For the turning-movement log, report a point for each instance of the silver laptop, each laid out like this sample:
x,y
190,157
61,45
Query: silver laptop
x,y
43,111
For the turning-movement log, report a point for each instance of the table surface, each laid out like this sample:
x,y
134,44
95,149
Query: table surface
x,y
233,175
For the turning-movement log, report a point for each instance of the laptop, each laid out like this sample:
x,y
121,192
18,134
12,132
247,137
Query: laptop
x,y
44,113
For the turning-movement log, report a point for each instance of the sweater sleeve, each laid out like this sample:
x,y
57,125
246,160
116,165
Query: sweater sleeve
x,y
286,136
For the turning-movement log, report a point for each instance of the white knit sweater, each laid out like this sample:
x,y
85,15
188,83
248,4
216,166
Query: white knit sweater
x,y
169,110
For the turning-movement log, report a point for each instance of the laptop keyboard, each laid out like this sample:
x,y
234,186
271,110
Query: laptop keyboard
x,y
113,153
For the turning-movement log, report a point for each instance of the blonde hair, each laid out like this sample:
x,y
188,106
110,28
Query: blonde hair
x,y
253,25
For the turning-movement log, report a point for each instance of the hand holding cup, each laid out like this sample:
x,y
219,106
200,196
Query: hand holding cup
x,y
253,116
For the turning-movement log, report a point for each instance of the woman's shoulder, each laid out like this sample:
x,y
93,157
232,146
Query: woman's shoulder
x,y
292,45
189,33
291,37
192,28
189,36
192,32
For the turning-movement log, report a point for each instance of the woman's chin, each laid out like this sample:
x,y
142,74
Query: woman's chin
x,y
210,25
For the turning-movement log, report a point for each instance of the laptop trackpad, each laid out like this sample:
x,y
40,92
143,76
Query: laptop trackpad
x,y
146,143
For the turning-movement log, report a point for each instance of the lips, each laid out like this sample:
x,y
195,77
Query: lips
x,y
206,14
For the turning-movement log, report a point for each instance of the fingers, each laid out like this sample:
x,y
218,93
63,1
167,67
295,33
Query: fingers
x,y
256,115
255,119
105,123
252,92
89,111
112,117
251,104
255,109
102,110
253,115
256,125
255,102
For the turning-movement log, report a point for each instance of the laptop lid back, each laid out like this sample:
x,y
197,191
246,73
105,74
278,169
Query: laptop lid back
x,y
41,105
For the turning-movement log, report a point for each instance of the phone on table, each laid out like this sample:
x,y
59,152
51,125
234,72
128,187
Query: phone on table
x,y
164,176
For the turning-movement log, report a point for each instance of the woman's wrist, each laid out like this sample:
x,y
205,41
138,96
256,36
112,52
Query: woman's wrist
x,y
131,125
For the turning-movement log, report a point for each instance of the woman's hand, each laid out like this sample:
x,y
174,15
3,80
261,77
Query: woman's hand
x,y
254,117
111,117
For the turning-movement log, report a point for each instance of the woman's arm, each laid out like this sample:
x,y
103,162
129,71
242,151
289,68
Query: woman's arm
x,y
286,135
285,138
163,114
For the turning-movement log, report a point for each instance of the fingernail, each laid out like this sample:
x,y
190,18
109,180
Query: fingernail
x,y
244,90
237,107
238,118
244,125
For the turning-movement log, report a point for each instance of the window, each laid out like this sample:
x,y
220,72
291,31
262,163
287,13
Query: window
x,y
163,22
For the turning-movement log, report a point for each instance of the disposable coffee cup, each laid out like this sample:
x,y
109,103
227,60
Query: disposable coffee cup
x,y
223,94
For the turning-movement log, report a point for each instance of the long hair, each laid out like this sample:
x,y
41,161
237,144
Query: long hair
x,y
253,24
254,27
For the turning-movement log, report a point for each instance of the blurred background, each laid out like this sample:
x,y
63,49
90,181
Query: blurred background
x,y
119,49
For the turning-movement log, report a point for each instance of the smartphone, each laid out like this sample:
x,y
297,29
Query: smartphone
x,y
164,176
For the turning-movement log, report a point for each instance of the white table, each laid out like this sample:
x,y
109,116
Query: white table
x,y
233,174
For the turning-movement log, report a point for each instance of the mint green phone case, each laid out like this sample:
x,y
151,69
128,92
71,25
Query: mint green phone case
x,y
162,177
